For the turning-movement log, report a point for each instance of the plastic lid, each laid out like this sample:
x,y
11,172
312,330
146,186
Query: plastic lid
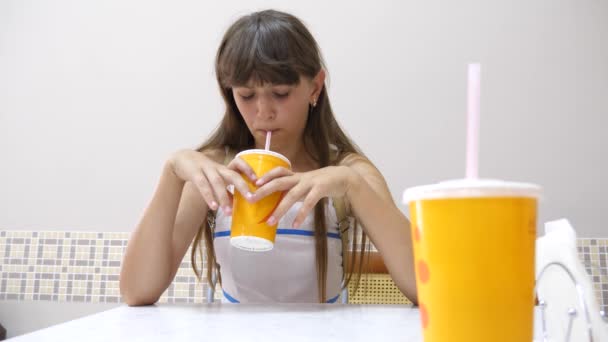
x,y
268,152
463,188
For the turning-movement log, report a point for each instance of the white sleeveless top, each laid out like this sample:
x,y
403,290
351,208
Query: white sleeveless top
x,y
288,272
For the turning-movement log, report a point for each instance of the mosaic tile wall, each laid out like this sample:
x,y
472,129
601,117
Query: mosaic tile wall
x,y
77,267
84,267
594,255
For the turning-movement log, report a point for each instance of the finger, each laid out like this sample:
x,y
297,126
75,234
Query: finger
x,y
219,189
272,174
239,165
308,205
205,189
280,184
239,183
288,200
231,201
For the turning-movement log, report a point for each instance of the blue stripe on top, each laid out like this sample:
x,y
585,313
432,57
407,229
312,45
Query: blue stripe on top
x,y
230,298
284,231
333,300
221,234
234,300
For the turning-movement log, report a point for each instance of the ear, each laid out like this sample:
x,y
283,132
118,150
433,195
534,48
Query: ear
x,y
317,86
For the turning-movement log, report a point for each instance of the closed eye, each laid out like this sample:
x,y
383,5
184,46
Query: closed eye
x,y
281,95
246,97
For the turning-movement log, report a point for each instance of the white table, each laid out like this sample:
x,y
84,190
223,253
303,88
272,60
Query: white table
x,y
241,322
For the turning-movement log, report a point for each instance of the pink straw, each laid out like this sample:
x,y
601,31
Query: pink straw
x,y
268,135
473,89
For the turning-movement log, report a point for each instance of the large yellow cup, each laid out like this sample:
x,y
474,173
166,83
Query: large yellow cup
x,y
249,229
474,254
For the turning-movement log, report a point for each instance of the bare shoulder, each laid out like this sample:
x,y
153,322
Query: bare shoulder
x,y
191,196
368,172
217,154
359,163
191,192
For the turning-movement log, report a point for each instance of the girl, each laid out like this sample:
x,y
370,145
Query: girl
x,y
272,78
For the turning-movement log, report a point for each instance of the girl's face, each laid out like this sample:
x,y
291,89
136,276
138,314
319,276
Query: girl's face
x,y
279,108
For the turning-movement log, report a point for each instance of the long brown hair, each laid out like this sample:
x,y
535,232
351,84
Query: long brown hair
x,y
275,47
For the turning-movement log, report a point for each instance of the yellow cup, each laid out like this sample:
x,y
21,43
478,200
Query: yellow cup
x,y
474,255
249,230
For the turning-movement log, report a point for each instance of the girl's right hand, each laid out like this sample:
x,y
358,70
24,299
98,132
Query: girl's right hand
x,y
212,178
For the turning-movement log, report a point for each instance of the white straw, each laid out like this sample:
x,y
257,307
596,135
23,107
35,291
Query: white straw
x,y
473,96
268,135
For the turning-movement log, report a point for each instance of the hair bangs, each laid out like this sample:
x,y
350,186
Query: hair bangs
x,y
258,55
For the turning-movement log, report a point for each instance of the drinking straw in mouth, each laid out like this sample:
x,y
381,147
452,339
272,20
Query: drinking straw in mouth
x,y
268,136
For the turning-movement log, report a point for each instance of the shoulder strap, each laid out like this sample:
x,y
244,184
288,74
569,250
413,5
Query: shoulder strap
x,y
340,206
229,155
343,221
343,227
216,276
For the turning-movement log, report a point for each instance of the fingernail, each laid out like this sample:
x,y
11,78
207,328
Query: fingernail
x,y
259,182
253,177
249,195
296,224
271,220
213,205
227,210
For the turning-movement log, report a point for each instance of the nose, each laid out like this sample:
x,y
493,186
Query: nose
x,y
265,109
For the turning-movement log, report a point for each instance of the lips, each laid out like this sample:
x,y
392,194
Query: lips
x,y
263,131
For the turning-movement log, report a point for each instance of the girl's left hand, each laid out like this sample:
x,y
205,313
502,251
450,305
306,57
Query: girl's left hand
x,y
311,187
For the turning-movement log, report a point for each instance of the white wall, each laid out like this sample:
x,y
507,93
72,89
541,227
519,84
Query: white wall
x,y
95,95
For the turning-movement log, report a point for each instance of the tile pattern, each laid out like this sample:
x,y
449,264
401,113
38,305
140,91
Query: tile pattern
x,y
77,267
594,255
84,267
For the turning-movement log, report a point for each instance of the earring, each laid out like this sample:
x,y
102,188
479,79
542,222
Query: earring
x,y
314,103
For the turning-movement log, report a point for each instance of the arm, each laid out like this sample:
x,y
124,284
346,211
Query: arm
x,y
190,184
369,199
159,242
387,227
